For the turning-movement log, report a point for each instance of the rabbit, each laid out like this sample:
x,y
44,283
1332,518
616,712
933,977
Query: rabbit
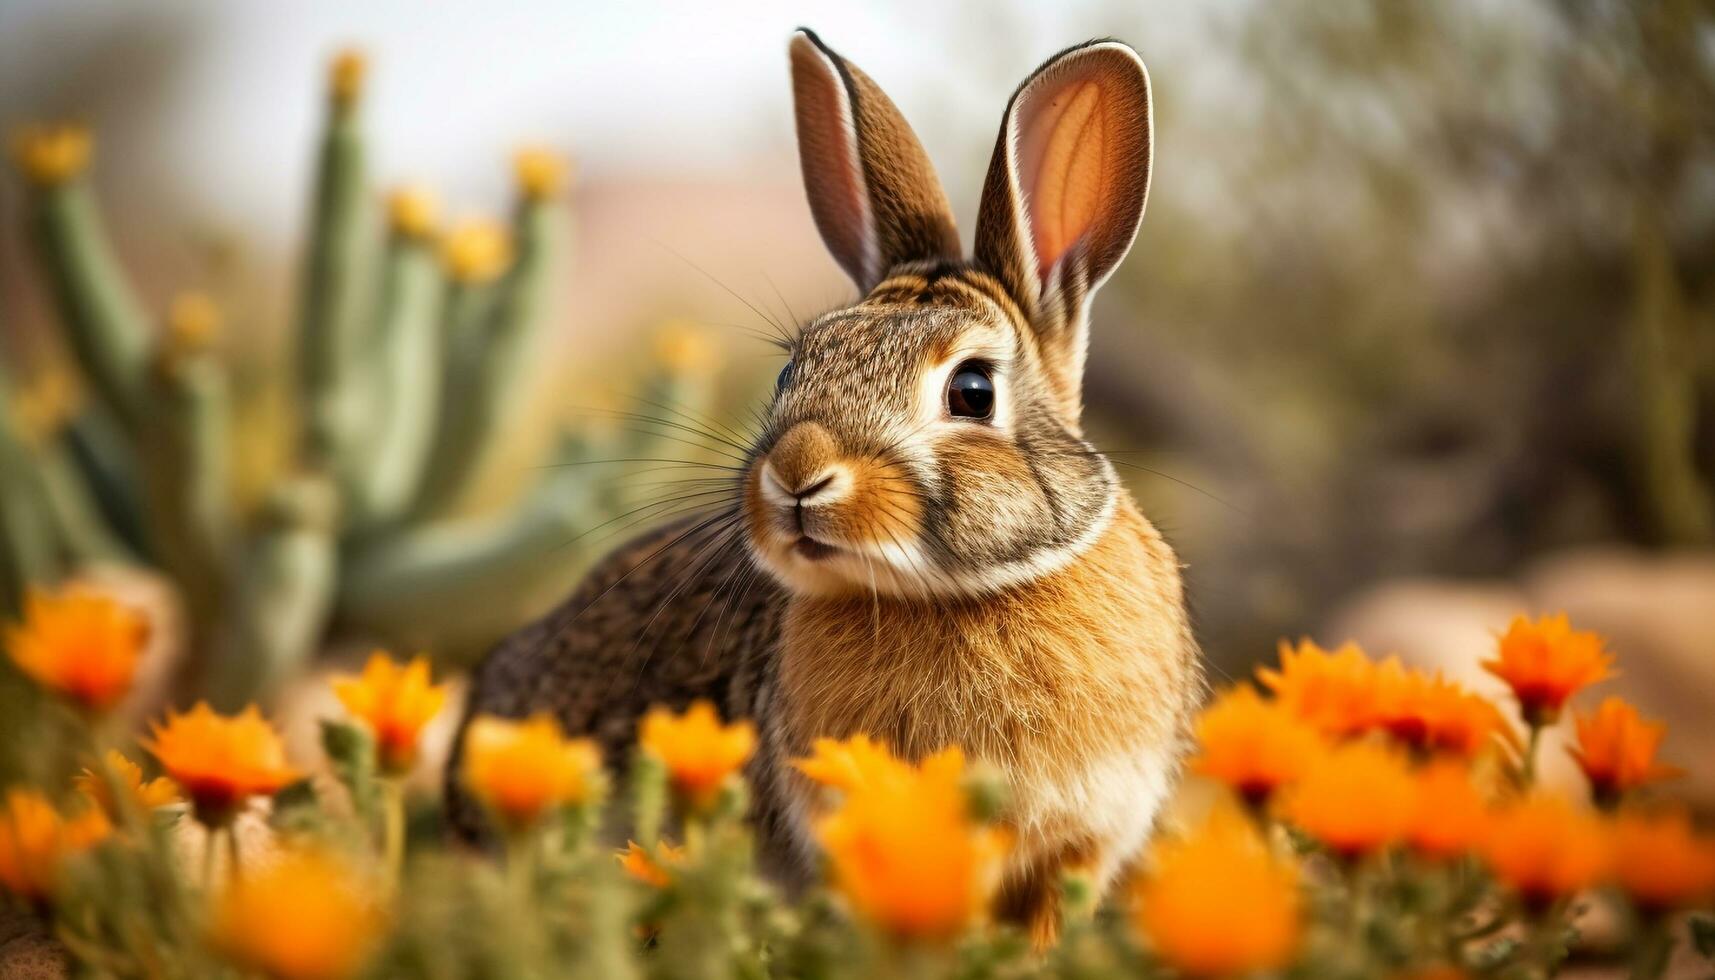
x,y
921,546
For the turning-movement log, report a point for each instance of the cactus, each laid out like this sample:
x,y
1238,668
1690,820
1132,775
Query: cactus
x,y
404,383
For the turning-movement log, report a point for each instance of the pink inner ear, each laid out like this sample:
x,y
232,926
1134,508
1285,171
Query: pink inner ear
x,y
1062,165
828,152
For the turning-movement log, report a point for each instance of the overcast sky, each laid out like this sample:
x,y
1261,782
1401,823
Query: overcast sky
x,y
222,94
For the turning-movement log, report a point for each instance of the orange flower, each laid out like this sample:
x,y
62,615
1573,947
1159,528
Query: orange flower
x,y
1252,745
1544,848
1334,692
698,751
1546,662
79,644
907,854
1356,799
1449,816
1428,713
1616,749
851,764
305,915
221,761
1661,860
523,769
36,840
395,702
1219,903
651,869
128,776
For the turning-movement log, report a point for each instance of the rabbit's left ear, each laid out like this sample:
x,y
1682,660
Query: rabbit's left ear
x,y
1065,192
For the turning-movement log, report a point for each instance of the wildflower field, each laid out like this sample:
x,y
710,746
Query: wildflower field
x,y
1371,820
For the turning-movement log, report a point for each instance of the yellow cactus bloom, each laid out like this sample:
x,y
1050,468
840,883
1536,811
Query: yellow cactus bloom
x,y
541,173
476,252
345,76
80,644
1333,691
413,211
50,155
699,752
128,776
1616,749
193,323
651,869
905,851
523,770
851,764
304,915
36,840
1218,902
395,702
683,350
1449,814
221,762
1660,859
43,406
1356,799
1252,745
1545,662
1545,848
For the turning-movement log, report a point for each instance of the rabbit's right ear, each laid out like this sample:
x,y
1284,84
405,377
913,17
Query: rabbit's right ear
x,y
872,190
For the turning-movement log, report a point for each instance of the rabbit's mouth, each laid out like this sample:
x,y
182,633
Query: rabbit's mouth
x,y
809,548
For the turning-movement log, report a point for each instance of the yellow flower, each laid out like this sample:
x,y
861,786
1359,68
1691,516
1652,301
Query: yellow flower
x,y
699,752
1218,903
1356,799
1431,714
128,776
221,761
476,252
1546,662
304,915
541,172
345,76
51,154
1660,860
907,854
1449,815
413,211
36,840
42,407
651,869
1616,749
79,644
1334,692
521,770
1544,848
1252,745
851,764
395,702
192,323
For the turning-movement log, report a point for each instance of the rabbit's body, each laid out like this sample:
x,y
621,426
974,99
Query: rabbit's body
x,y
922,548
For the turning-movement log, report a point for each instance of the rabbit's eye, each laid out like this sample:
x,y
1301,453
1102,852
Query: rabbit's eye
x,y
785,378
970,395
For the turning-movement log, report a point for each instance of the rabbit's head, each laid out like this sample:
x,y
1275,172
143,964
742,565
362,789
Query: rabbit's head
x,y
926,440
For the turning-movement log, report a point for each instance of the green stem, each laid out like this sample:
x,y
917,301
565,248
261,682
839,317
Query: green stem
x,y
209,848
1654,949
235,865
393,827
1528,772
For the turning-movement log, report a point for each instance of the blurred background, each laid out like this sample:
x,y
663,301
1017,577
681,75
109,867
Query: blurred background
x,y
1419,332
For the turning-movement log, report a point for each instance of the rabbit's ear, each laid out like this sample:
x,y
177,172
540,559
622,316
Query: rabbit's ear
x,y
874,195
1065,191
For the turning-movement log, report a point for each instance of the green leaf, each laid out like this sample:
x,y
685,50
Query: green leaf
x,y
352,752
1703,935
1495,954
297,808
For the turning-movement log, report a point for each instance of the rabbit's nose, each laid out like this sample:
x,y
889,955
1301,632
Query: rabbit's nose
x,y
802,468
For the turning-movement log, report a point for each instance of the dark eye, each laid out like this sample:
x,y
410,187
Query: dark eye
x,y
785,378
970,395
